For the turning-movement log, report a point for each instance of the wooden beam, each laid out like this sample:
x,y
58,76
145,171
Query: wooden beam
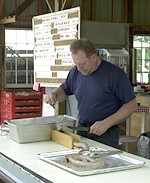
x,y
128,11
24,18
7,20
67,4
93,9
50,80
85,10
40,7
1,8
56,5
22,7
61,67
49,6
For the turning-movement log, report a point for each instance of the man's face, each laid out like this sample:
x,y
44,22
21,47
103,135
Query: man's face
x,y
84,64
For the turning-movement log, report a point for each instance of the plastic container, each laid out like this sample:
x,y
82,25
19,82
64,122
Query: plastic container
x,y
20,105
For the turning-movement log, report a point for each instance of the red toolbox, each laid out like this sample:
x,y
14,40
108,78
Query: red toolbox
x,y
20,105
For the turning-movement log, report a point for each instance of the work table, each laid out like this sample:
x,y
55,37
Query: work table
x,y
26,155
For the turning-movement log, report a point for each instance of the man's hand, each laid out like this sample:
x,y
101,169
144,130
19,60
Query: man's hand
x,y
99,128
50,99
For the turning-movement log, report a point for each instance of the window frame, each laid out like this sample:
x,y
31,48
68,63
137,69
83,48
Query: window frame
x,y
143,63
27,57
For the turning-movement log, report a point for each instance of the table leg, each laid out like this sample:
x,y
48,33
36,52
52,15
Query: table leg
x,y
128,125
143,122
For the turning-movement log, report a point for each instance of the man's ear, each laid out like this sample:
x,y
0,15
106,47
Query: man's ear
x,y
94,56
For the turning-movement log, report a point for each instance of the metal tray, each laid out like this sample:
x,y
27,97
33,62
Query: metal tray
x,y
112,163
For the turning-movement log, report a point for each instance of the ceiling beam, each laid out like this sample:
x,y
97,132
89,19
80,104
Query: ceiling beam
x,y
49,6
22,7
56,5
67,4
24,18
85,10
7,20
128,11
40,7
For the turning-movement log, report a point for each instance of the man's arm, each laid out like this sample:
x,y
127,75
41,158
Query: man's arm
x,y
100,127
57,95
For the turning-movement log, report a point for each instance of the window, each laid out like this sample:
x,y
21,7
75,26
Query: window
x,y
142,45
19,69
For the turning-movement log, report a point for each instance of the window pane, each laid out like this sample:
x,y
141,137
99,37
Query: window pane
x,y
31,77
30,64
10,78
21,77
10,64
147,54
21,63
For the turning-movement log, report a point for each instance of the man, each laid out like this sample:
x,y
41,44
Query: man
x,y
103,91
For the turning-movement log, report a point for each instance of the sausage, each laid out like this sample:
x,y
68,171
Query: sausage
x,y
82,145
86,162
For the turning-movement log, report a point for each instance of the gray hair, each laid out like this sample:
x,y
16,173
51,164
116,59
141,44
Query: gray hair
x,y
85,45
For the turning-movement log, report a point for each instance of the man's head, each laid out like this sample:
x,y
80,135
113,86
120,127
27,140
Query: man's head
x,y
85,45
85,56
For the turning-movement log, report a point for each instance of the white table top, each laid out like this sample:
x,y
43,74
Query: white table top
x,y
26,155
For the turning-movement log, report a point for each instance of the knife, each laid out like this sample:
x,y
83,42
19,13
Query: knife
x,y
79,128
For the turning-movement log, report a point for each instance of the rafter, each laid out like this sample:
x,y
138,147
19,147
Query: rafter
x,y
22,7
49,6
67,4
7,20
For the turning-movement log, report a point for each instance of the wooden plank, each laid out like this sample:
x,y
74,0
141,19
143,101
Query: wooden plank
x,y
58,61
61,68
74,136
73,15
24,18
50,80
62,138
7,20
65,138
36,22
56,36
63,42
54,74
54,30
